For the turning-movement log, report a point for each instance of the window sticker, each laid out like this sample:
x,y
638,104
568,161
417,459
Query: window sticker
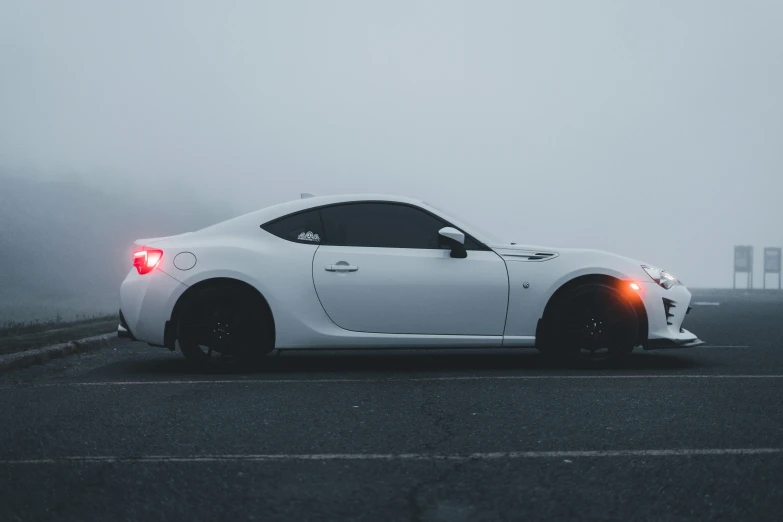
x,y
309,236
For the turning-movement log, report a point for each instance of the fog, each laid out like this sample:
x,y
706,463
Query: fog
x,y
653,130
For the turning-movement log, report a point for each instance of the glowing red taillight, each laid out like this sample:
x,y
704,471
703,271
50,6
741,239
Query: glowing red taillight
x,y
146,259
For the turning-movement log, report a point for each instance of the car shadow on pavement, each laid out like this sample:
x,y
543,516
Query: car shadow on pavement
x,y
342,362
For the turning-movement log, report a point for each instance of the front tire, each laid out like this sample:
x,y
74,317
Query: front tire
x,y
593,323
224,325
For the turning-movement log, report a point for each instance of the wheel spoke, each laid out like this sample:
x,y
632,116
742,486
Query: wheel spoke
x,y
576,328
595,344
613,320
596,301
197,333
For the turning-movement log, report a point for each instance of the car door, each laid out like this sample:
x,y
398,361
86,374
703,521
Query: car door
x,y
381,268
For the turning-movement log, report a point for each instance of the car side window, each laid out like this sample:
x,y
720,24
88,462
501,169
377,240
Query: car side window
x,y
303,227
385,225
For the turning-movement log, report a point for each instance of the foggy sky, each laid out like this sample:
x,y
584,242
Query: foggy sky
x,y
651,129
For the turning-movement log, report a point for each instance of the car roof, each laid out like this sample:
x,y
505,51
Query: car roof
x,y
264,215
297,205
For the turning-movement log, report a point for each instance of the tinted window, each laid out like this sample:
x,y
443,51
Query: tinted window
x,y
381,225
304,227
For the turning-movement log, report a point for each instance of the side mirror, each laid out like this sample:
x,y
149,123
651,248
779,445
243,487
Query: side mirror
x,y
452,238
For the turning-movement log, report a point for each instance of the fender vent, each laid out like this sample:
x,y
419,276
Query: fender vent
x,y
530,256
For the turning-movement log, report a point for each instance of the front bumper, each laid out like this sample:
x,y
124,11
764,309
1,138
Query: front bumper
x,y
684,339
666,311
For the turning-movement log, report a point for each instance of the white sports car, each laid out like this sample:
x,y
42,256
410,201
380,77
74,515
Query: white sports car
x,y
388,272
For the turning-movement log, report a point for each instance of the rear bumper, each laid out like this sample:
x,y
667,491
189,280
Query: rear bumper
x,y
123,331
146,302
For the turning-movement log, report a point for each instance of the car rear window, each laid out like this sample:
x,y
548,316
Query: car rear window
x,y
303,227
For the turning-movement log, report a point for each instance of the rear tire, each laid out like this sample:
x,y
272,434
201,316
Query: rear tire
x,y
225,325
592,323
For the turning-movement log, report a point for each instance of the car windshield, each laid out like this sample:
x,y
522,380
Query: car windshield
x,y
481,233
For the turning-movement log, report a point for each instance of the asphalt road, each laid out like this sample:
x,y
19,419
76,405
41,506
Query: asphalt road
x,y
133,433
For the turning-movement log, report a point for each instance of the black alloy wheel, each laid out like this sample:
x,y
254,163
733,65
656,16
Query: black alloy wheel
x,y
593,322
223,325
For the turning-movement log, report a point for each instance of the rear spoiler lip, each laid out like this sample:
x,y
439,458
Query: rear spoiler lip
x,y
149,241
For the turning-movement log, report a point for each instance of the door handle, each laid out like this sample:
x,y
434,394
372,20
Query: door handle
x,y
341,268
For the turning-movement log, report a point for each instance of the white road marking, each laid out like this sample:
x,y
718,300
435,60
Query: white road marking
x,y
390,380
723,346
705,303
401,456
